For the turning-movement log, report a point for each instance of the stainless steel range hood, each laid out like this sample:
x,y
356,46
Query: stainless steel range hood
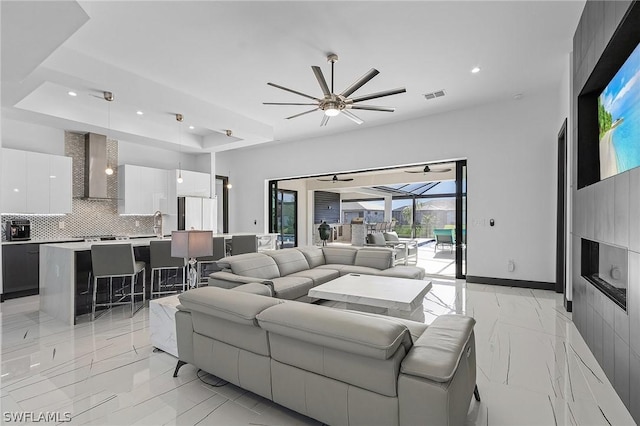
x,y
95,163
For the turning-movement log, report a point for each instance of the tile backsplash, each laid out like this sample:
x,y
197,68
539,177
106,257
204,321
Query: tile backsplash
x,y
89,217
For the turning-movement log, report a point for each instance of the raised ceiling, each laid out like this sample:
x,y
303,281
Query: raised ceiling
x,y
211,61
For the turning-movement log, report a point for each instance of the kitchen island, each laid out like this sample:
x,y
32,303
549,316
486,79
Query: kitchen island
x,y
64,272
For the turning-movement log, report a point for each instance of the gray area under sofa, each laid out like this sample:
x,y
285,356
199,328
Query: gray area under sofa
x,y
291,273
339,367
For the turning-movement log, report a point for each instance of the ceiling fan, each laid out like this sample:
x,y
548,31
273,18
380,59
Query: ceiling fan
x,y
333,104
428,169
335,178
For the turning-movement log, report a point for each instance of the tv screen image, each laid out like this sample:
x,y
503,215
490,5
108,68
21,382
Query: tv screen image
x,y
619,119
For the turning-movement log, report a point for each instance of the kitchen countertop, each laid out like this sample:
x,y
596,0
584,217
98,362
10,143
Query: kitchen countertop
x,y
69,240
80,245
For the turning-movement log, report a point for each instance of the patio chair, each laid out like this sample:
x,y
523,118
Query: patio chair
x,y
407,247
400,248
444,237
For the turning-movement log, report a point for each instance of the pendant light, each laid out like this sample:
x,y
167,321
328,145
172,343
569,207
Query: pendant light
x,y
108,96
180,119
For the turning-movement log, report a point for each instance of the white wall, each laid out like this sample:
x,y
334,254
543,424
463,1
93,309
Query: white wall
x,y
32,137
511,152
159,158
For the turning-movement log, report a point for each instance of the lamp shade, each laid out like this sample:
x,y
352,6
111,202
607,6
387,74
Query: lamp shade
x,y
189,244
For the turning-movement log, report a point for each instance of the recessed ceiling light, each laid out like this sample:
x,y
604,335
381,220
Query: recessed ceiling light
x,y
475,70
139,112
70,93
191,127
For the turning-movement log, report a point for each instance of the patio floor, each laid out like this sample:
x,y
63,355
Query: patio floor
x,y
436,263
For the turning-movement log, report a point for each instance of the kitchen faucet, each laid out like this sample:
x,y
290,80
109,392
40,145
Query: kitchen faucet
x,y
157,224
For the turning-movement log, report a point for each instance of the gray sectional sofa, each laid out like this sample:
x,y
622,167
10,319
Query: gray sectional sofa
x,y
339,367
290,273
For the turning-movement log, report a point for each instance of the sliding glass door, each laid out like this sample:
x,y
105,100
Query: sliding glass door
x,y
283,217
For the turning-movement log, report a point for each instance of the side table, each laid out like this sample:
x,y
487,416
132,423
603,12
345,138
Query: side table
x,y
162,323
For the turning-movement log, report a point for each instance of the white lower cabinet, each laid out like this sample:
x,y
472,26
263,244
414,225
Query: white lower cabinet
x,y
35,183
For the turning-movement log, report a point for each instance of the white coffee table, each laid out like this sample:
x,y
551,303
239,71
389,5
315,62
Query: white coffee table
x,y
162,323
398,297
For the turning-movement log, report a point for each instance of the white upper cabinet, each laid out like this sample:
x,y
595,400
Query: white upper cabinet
x,y
14,181
141,190
194,184
60,184
35,183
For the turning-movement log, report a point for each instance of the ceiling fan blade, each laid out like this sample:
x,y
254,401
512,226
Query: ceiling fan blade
x,y
283,103
346,180
325,120
323,83
293,91
371,108
360,82
352,117
378,95
302,113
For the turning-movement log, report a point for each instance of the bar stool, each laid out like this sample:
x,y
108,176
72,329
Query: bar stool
x,y
161,260
116,261
241,244
205,262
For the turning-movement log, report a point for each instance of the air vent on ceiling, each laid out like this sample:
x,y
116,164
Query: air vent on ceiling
x,y
433,95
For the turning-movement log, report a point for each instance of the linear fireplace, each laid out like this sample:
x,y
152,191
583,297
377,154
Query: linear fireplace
x,y
606,267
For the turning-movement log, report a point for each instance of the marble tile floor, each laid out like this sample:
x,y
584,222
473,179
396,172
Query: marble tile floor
x,y
533,368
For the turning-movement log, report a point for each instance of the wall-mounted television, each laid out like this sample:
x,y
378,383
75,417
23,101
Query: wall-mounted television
x,y
619,119
608,106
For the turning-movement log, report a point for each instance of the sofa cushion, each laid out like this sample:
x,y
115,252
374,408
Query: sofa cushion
x,y
289,261
256,265
362,270
254,288
336,329
391,236
379,258
436,354
313,254
225,304
409,272
318,275
376,239
344,255
291,288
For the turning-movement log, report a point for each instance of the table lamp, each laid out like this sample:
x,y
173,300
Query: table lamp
x,y
189,245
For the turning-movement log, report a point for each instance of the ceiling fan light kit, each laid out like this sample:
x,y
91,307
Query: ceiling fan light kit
x,y
333,104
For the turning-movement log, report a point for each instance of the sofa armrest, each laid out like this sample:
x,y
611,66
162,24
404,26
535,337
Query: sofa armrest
x,y
436,354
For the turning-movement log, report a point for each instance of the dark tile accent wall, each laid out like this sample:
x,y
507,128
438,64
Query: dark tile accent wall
x,y
326,207
88,217
607,212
